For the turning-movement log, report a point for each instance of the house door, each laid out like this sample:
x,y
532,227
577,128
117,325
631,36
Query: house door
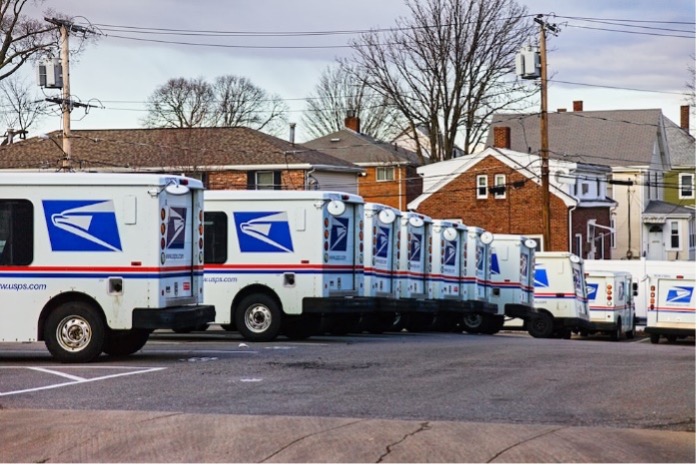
x,y
656,250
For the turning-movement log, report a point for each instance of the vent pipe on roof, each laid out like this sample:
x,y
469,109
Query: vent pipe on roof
x,y
292,133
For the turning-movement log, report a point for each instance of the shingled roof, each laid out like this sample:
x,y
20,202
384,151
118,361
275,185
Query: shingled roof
x,y
166,148
362,149
612,137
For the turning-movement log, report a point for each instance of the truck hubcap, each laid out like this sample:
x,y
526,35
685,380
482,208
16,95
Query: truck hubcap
x,y
258,318
73,333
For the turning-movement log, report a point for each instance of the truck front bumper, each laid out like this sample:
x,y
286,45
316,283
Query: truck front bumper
x,y
172,317
601,326
670,331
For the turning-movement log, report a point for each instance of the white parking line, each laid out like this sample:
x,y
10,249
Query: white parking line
x,y
76,379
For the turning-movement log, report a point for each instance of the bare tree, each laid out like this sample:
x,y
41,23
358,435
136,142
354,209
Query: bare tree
x,y
339,92
181,103
21,108
23,38
241,103
449,67
692,83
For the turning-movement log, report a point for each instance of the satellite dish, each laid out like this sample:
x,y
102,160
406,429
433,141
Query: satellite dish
x,y
387,216
450,234
336,207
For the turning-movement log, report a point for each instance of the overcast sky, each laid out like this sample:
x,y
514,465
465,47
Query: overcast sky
x,y
121,73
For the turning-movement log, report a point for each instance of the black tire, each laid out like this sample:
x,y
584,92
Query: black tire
x,y
584,333
474,323
74,333
229,327
541,326
419,322
616,334
398,323
122,343
671,339
654,338
631,333
258,318
493,325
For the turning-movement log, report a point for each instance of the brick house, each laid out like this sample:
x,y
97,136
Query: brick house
x,y
223,158
639,146
500,190
390,171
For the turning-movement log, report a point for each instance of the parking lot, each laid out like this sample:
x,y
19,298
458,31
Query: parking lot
x,y
505,398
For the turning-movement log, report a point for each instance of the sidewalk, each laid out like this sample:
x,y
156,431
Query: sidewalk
x,y
62,436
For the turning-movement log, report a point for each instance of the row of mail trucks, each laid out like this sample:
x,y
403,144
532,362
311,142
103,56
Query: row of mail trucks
x,y
93,263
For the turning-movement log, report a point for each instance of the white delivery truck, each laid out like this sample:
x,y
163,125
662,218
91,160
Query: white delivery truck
x,y
475,277
415,309
511,281
671,307
560,298
285,263
381,231
92,263
610,301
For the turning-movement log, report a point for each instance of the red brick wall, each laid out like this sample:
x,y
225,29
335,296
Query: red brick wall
x,y
601,216
238,180
390,192
520,212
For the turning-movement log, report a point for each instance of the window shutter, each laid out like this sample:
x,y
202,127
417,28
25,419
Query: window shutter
x,y
277,180
251,180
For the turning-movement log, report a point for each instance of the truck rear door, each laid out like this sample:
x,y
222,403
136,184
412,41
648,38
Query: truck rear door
x,y
676,303
177,232
341,238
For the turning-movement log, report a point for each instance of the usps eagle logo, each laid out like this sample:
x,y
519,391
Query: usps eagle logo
x,y
176,224
494,264
592,291
382,238
263,232
449,254
415,247
339,230
680,294
541,278
82,225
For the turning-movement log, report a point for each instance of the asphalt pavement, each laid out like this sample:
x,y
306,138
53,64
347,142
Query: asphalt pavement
x,y
69,436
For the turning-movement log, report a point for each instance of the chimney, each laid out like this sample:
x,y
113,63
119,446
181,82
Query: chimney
x,y
501,137
561,110
684,117
577,106
351,121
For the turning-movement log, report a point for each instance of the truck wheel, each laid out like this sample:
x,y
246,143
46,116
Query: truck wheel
x,y
493,324
616,334
541,326
258,318
474,323
654,338
74,333
631,333
122,343
398,323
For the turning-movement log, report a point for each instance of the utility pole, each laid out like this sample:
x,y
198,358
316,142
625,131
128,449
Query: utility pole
x,y
66,102
544,120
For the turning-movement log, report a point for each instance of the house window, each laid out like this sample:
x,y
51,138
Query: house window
x,y
674,235
482,187
599,188
385,174
585,187
612,234
500,186
686,186
264,180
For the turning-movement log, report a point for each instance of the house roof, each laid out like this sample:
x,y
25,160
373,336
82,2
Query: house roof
x,y
683,146
661,207
362,149
611,137
161,148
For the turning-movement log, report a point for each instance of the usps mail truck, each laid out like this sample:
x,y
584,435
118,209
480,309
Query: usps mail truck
x,y
413,305
284,263
511,282
92,263
610,300
560,298
671,307
381,230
